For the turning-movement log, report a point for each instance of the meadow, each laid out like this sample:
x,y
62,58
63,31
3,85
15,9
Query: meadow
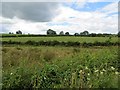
x,y
29,66
62,39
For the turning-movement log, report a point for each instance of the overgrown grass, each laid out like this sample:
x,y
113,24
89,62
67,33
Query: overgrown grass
x,y
60,67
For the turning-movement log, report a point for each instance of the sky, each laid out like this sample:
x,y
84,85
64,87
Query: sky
x,y
73,17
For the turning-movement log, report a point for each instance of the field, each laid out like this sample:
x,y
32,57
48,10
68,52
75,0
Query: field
x,y
29,66
62,38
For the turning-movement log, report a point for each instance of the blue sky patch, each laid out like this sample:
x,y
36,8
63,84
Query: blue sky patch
x,y
89,6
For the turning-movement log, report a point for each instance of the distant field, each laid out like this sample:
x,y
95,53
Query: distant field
x,y
62,38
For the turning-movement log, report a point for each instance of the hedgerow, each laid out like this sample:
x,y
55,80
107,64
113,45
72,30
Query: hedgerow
x,y
56,43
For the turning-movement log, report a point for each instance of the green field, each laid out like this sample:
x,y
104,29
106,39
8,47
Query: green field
x,y
63,38
27,66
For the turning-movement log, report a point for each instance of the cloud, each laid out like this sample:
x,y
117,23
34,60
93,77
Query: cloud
x,y
70,20
95,21
32,11
111,8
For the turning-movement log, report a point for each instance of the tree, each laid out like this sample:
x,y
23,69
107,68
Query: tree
x,y
84,33
61,33
10,33
18,32
76,34
81,33
67,33
51,32
93,34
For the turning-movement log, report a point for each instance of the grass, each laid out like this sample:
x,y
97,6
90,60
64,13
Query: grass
x,y
60,67
64,39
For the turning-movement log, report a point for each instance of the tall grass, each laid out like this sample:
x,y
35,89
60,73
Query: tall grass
x,y
60,67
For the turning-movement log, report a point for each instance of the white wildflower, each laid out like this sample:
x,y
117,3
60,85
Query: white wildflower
x,y
44,77
11,73
112,68
116,73
86,67
96,70
101,72
80,71
88,74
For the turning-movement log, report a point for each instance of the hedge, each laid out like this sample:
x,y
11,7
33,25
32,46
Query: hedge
x,y
56,43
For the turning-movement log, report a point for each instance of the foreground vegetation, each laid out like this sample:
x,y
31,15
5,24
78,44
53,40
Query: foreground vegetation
x,y
60,67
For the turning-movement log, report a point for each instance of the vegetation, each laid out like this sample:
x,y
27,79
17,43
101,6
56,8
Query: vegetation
x,y
61,39
57,43
51,32
60,67
18,32
59,61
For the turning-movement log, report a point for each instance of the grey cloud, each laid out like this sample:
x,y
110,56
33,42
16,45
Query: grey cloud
x,y
33,11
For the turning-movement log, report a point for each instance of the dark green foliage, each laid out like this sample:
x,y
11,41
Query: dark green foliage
x,y
51,32
85,33
76,34
56,43
18,32
67,33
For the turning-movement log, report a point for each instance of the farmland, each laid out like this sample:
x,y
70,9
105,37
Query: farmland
x,y
43,66
62,38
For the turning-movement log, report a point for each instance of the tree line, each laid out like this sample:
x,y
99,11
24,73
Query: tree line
x,y
51,32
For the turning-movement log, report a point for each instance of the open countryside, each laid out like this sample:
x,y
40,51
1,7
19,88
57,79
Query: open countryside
x,y
52,65
60,45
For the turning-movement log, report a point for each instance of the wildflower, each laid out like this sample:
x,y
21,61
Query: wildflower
x,y
44,77
80,71
88,74
86,67
112,68
101,72
116,73
11,73
96,70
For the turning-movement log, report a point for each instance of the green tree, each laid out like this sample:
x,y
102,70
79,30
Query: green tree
x,y
51,32
67,33
61,33
84,33
18,32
